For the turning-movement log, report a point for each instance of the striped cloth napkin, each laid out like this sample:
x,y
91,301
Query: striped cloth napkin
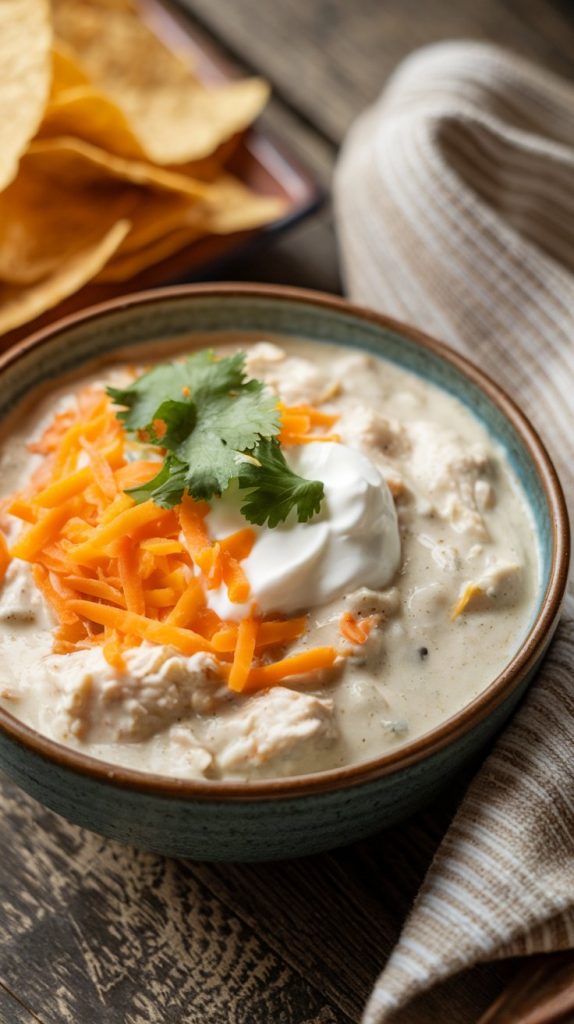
x,y
454,199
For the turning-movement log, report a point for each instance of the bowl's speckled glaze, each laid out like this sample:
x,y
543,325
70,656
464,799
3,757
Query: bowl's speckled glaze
x,y
286,817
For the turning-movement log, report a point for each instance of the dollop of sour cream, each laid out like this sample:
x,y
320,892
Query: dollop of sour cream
x,y
353,542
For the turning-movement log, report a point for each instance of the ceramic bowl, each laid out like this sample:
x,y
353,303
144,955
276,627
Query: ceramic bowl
x,y
210,820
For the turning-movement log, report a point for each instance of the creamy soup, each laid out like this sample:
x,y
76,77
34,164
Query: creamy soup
x,y
417,575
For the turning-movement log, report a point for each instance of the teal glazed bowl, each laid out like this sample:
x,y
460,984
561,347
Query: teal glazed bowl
x,y
214,820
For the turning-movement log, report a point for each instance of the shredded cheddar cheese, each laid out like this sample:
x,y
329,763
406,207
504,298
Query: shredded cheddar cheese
x,y
116,573
356,631
470,591
4,556
300,422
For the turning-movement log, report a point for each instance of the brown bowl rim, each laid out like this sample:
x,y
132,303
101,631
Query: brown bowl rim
x,y
411,753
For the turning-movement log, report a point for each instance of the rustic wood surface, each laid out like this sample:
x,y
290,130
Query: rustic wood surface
x,y
328,58
95,933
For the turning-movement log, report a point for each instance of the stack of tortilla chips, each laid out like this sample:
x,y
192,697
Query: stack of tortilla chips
x,y
112,152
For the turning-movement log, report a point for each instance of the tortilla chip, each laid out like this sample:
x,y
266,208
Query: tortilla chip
x,y
25,42
126,164
166,224
76,108
135,261
66,72
173,116
159,216
65,196
44,227
88,115
228,206
244,210
231,206
82,164
210,167
18,305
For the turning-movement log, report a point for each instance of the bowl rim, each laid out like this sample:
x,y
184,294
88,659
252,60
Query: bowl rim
x,y
390,763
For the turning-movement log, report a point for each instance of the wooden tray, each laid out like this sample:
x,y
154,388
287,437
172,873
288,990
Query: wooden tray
x,y
260,161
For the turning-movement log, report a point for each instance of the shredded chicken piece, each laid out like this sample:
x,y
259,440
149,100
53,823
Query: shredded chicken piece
x,y
372,432
274,723
20,599
296,381
159,687
450,472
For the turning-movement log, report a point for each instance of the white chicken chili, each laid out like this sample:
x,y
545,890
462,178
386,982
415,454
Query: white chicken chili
x,y
268,558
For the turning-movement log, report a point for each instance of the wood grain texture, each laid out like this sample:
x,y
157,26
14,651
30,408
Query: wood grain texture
x,y
95,932
329,58
98,933
12,1011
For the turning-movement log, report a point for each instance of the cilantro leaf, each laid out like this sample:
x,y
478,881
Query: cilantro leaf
x,y
274,489
200,376
213,467
147,392
211,415
166,489
178,418
238,419
206,373
226,425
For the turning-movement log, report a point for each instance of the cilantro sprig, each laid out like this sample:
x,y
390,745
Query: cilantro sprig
x,y
274,489
214,425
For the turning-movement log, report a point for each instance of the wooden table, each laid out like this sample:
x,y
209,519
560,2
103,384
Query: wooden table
x,y
95,933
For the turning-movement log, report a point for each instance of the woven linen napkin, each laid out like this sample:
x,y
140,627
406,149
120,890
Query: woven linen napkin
x,y
454,200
